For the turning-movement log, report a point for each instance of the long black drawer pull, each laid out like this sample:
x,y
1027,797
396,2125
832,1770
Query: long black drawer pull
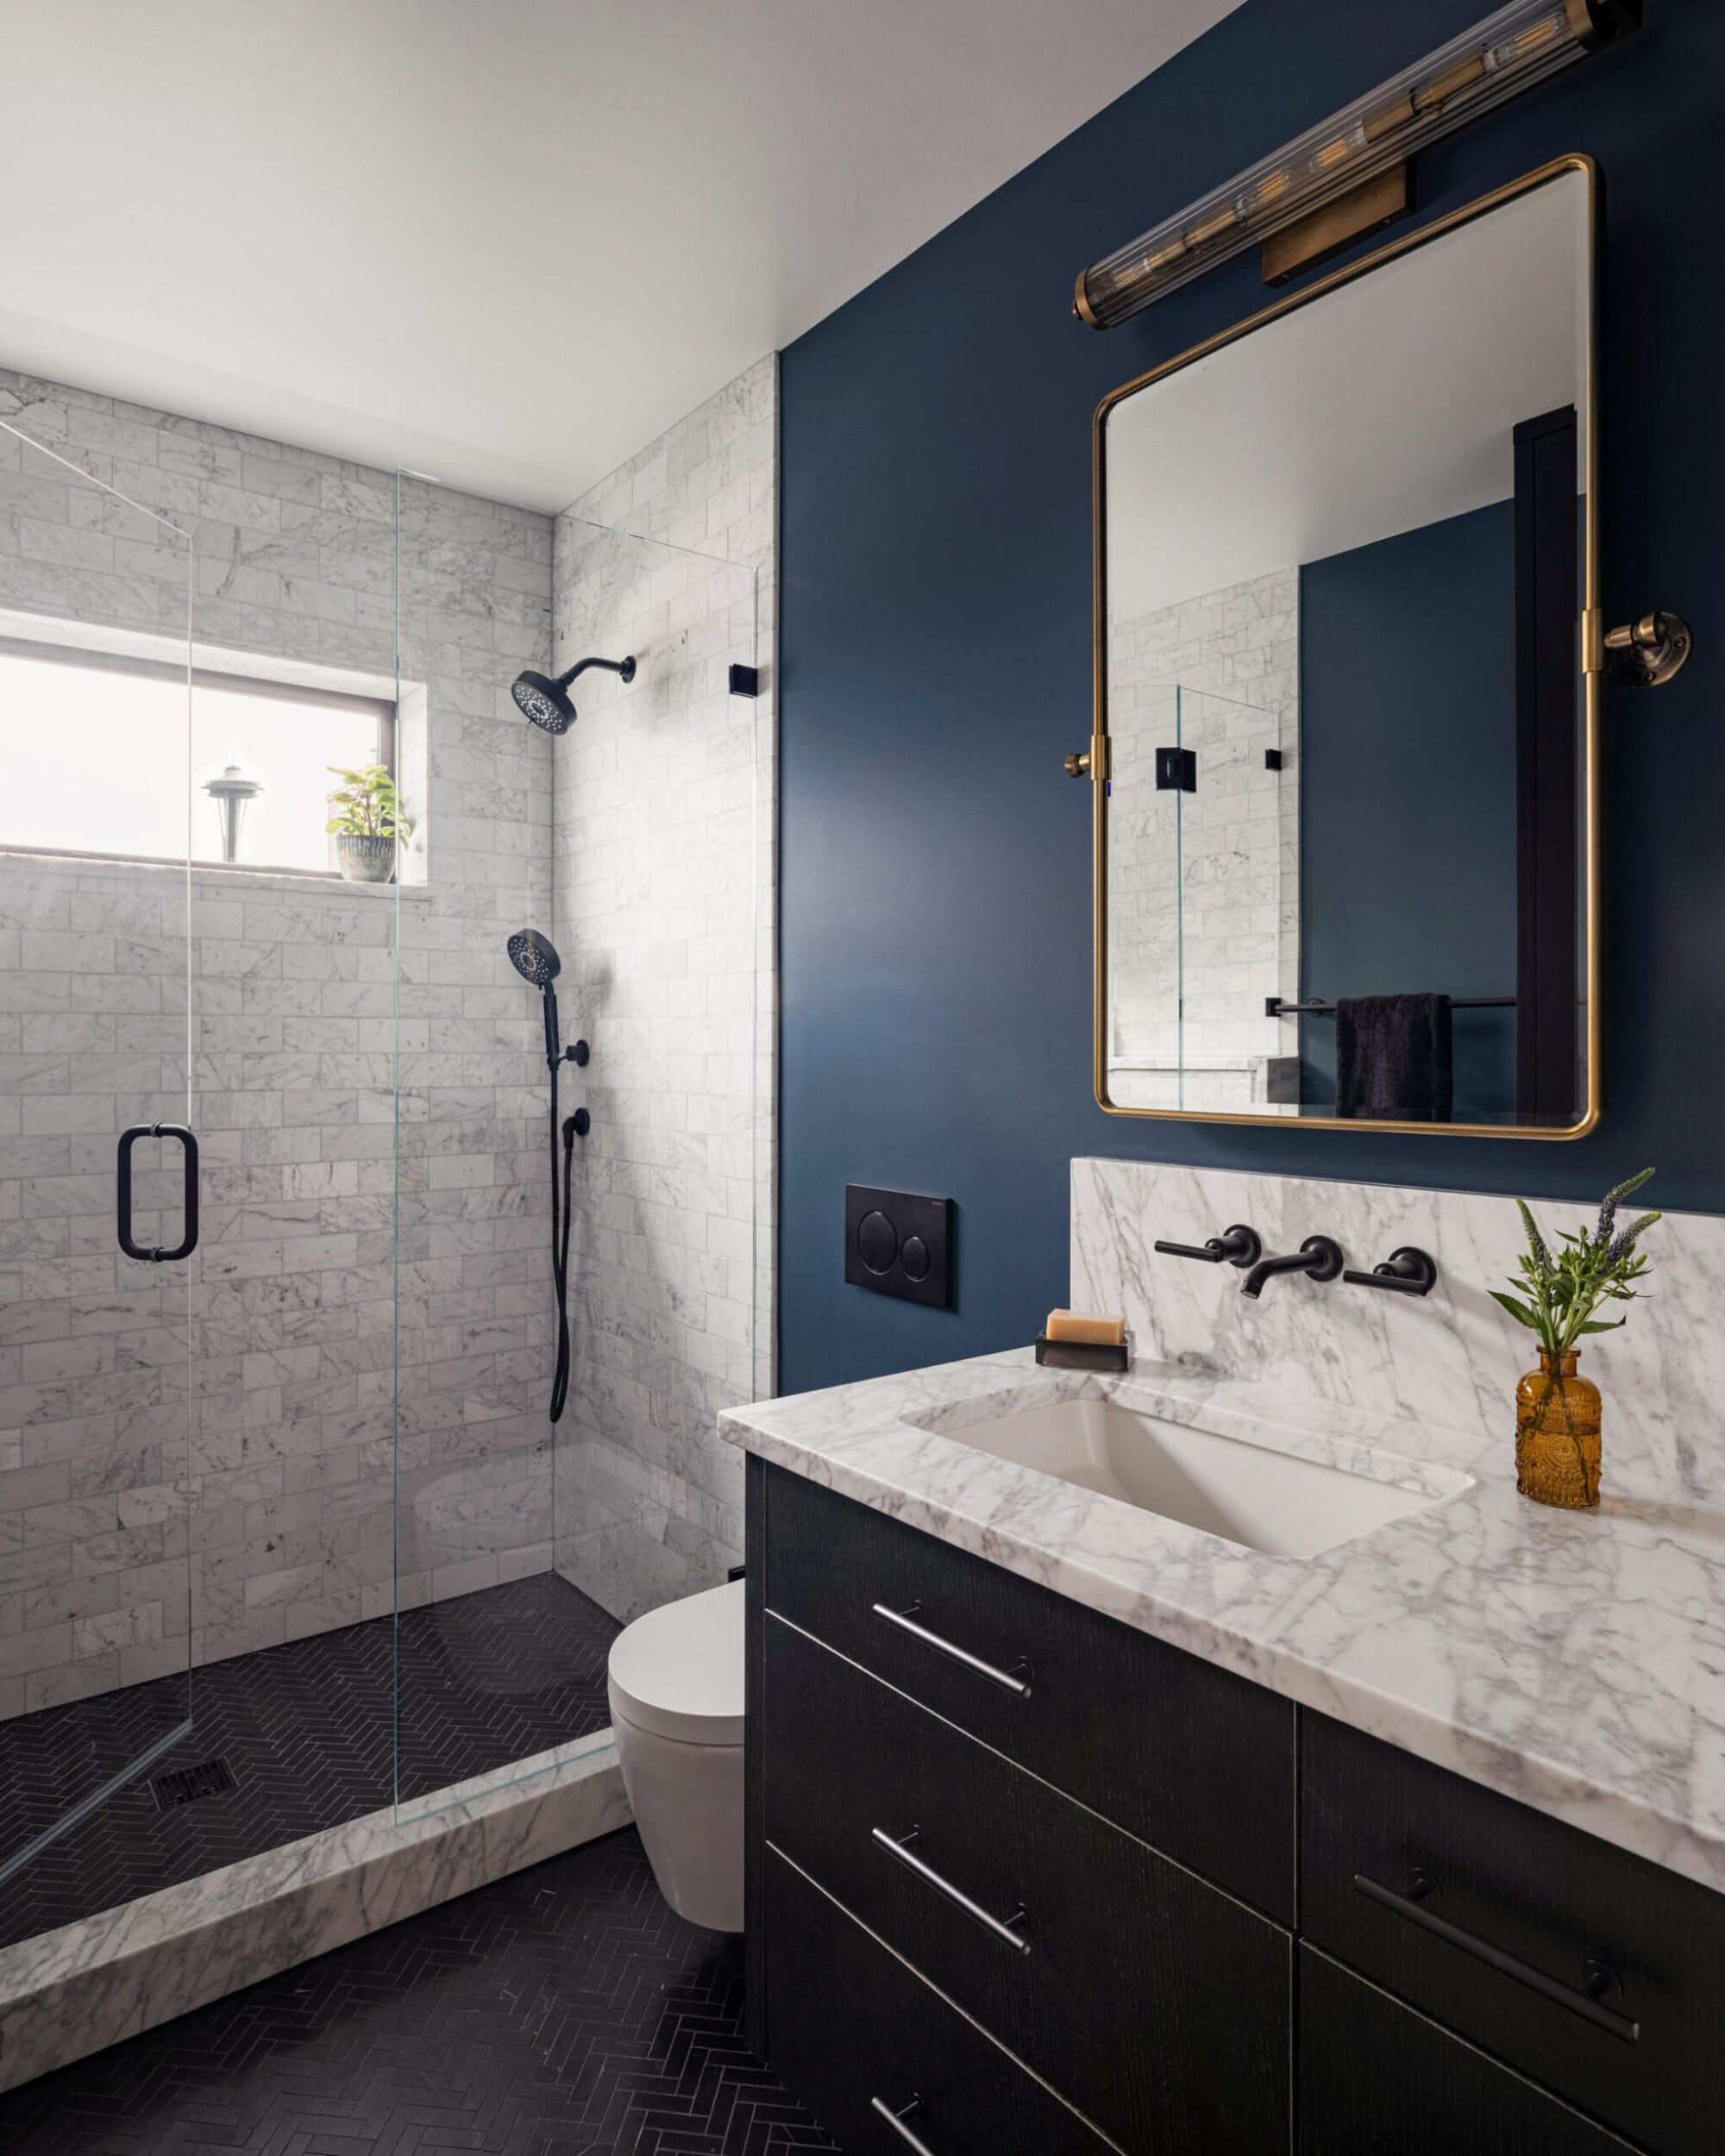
x,y
1009,1680
897,1845
1600,1979
896,2121
123,1178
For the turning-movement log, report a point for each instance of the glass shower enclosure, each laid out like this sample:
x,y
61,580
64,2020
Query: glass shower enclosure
x,y
286,1533
99,1356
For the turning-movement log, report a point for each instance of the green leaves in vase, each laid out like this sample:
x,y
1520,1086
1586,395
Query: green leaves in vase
x,y
1557,1297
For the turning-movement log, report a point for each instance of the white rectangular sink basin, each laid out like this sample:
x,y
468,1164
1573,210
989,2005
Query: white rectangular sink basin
x,y
1248,1494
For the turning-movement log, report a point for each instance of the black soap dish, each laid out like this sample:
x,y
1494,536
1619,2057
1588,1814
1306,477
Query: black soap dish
x,y
1083,1355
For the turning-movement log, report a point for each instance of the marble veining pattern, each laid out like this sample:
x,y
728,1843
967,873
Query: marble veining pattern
x,y
1451,1357
1574,1661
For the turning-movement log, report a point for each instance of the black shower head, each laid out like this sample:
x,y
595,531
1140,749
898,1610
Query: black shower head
x,y
547,703
535,957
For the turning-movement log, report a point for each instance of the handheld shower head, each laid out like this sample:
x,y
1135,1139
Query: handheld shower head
x,y
533,957
548,703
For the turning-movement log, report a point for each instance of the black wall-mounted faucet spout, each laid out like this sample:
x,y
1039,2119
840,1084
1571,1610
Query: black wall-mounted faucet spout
x,y
1317,1257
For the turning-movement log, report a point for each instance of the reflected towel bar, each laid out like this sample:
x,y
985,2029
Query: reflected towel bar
x,y
1274,1007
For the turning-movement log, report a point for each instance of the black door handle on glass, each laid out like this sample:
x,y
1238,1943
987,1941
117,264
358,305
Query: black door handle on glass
x,y
188,1241
1598,1981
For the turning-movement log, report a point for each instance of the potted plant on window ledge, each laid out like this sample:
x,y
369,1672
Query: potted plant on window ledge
x,y
367,823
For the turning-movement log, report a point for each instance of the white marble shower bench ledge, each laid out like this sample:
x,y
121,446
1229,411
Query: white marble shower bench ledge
x,y
70,1992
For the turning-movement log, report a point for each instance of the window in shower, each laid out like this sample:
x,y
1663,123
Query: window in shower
x,y
95,760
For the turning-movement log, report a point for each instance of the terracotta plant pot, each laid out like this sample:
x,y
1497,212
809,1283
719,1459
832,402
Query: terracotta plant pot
x,y
364,860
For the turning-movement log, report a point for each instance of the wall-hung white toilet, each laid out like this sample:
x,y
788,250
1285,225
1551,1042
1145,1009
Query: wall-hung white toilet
x,y
676,1682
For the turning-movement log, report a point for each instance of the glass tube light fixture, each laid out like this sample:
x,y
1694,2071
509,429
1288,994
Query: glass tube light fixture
x,y
1499,57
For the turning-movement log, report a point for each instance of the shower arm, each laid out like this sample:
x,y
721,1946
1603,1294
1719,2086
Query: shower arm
x,y
625,666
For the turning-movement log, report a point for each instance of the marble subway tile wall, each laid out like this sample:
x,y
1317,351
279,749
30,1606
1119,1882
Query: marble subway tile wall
x,y
664,881
474,1439
1188,989
199,1462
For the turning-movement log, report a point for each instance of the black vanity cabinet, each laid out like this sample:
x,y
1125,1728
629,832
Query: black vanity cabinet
x,y
1377,2079
1021,1879
1035,1844
1593,1972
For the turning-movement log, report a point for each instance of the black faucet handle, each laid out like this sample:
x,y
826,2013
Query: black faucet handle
x,y
1325,1256
1404,1272
1238,1245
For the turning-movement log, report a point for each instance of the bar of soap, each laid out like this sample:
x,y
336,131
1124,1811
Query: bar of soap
x,y
1081,1325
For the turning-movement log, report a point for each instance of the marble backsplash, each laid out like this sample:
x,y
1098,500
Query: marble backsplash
x,y
1451,1358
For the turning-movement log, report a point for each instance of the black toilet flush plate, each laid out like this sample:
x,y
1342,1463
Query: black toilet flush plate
x,y
897,1243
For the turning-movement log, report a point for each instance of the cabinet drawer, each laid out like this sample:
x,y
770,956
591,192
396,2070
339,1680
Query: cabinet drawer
x,y
1155,2005
1189,1758
851,2031
1527,1903
1375,2078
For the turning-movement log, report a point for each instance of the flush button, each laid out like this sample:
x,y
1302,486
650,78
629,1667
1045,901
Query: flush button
x,y
877,1243
899,1243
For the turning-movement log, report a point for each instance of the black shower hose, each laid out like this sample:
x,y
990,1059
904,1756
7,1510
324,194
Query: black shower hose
x,y
560,1248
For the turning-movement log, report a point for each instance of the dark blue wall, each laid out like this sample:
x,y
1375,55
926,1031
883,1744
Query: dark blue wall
x,y
935,654
1406,778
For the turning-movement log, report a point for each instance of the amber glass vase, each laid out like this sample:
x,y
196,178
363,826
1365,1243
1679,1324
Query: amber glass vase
x,y
1557,1435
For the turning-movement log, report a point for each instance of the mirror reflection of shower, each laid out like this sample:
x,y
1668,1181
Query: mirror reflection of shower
x,y
546,701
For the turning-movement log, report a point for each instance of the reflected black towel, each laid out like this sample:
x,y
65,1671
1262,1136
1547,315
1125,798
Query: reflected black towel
x,y
1393,1057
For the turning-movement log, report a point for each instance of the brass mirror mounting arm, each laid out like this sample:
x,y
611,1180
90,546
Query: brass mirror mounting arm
x,y
1643,653
1091,762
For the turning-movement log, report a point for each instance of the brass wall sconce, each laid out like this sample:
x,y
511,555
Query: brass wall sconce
x,y
1646,653
1350,175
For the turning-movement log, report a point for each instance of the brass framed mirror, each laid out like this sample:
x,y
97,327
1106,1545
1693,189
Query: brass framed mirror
x,y
1345,756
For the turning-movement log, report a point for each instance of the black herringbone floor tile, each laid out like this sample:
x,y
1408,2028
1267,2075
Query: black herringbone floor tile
x,y
308,1731
563,2012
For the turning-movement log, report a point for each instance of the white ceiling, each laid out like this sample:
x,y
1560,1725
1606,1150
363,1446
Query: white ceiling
x,y
506,241
1387,405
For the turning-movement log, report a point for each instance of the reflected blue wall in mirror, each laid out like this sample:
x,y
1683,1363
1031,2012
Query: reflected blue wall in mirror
x,y
1408,786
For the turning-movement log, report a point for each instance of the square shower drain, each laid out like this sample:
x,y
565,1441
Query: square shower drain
x,y
185,1785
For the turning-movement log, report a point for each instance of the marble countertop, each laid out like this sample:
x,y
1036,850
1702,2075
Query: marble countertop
x,y
1573,1660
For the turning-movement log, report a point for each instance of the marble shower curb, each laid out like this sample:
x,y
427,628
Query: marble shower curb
x,y
70,1992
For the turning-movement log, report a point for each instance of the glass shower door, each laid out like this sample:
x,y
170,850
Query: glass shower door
x,y
98,1166
1238,903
